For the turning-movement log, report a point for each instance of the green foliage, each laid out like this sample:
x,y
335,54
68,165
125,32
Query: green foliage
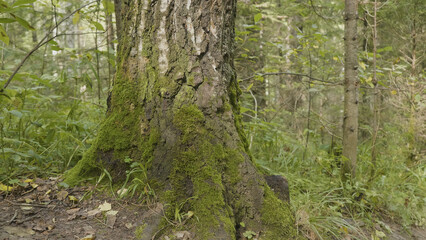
x,y
249,234
139,184
11,10
293,122
42,133
325,206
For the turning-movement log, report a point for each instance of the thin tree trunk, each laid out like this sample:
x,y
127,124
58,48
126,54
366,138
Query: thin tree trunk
x,y
97,55
351,88
308,120
110,44
2,56
376,97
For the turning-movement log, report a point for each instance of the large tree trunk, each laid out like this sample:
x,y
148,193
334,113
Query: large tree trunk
x,y
174,108
351,86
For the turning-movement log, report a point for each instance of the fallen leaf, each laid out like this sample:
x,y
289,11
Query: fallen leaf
x,y
112,212
105,207
26,208
4,188
45,198
73,199
122,192
39,228
111,218
184,235
28,200
380,234
93,212
19,231
89,237
73,210
128,225
62,195
89,230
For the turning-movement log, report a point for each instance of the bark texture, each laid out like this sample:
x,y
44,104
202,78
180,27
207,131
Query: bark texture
x,y
174,109
351,88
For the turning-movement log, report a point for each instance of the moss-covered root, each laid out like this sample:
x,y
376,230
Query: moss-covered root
x,y
277,218
84,168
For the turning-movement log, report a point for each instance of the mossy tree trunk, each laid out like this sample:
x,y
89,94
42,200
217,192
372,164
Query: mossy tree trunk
x,y
174,109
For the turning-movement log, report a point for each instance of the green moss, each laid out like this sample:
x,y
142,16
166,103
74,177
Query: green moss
x,y
148,146
277,218
139,231
200,163
123,133
234,92
85,167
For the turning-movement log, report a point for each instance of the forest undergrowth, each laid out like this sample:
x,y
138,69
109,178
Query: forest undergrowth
x,y
43,135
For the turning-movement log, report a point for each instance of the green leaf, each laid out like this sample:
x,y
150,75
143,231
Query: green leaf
x,y
3,36
24,23
109,6
385,49
4,7
249,234
7,20
16,113
56,48
22,2
53,42
76,18
257,17
98,26
249,87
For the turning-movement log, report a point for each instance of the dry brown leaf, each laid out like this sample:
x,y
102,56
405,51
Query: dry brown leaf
x,y
73,210
111,218
62,195
18,231
128,225
93,212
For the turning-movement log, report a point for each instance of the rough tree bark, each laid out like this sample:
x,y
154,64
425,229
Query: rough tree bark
x,y
351,88
174,109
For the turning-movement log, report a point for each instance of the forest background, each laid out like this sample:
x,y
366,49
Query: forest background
x,y
58,62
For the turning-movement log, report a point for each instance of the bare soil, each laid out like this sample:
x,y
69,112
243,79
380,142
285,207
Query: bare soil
x,y
42,210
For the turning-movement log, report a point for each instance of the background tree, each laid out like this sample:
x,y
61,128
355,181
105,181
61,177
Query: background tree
x,y
351,85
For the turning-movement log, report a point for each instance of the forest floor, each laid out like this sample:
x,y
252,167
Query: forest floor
x,y
41,210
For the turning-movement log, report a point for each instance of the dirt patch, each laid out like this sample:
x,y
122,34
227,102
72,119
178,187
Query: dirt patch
x,y
41,210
